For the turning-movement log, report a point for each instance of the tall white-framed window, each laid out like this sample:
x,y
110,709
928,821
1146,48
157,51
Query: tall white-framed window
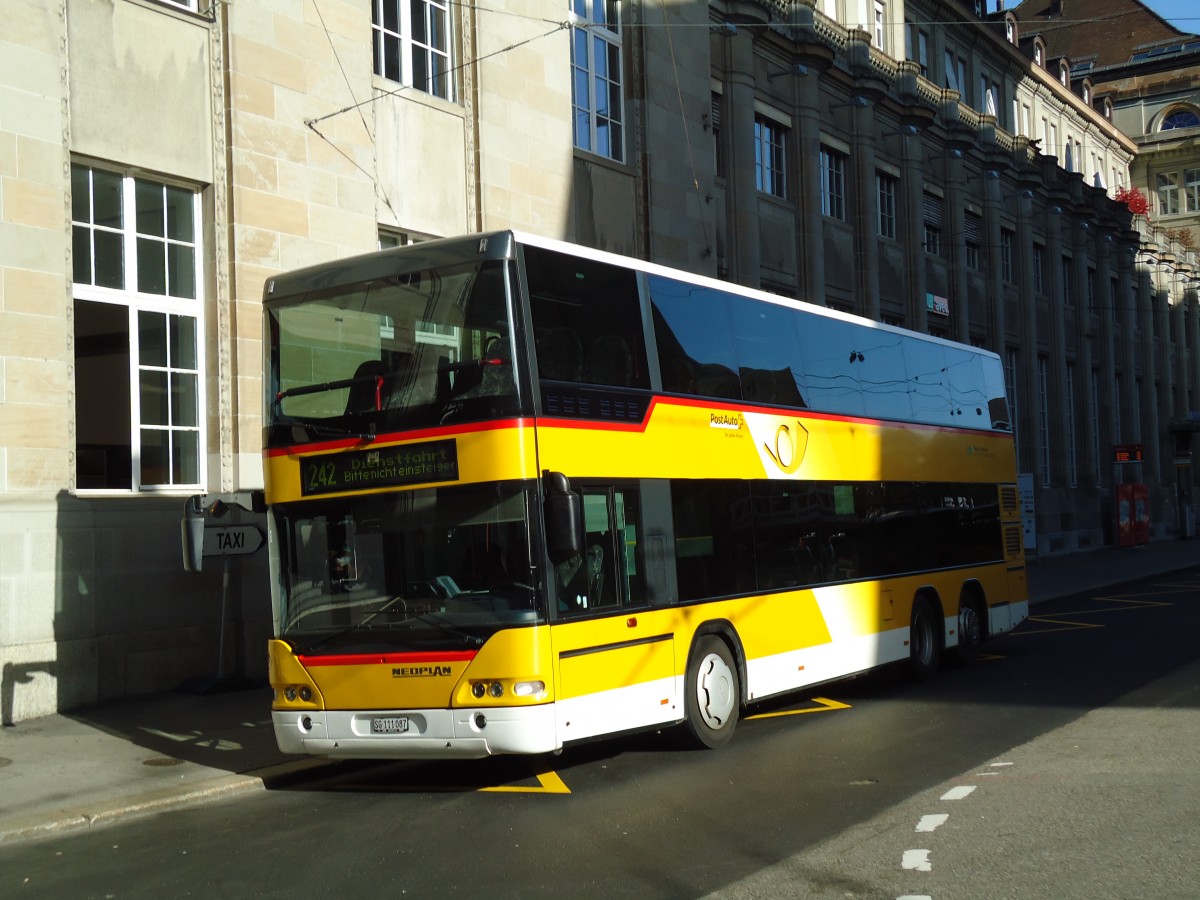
x,y
916,45
989,96
955,76
1007,239
887,187
1097,467
833,183
1044,416
1137,409
597,63
1167,186
1191,189
770,156
719,155
932,211
412,44
879,26
1116,408
1072,455
137,287
973,233
1038,265
1010,387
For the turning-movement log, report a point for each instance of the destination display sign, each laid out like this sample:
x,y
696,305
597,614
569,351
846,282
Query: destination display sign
x,y
385,467
1127,453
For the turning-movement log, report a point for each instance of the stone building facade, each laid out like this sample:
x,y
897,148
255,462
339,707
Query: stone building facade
x,y
159,160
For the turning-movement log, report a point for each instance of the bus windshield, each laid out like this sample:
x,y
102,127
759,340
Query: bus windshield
x,y
438,568
409,350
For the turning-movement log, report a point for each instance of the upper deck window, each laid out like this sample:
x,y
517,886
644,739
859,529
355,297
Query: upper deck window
x,y
587,324
409,350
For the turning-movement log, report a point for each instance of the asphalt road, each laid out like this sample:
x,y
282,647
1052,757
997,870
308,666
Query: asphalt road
x,y
1065,763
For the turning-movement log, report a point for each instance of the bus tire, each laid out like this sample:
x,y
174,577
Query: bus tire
x,y
971,630
924,643
712,695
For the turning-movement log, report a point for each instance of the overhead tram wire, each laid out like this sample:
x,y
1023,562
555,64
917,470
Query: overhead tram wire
x,y
362,118
358,104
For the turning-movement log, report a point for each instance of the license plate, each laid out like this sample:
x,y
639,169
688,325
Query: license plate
x,y
389,725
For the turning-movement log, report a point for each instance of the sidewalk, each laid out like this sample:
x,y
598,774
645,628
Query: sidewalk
x,y
98,764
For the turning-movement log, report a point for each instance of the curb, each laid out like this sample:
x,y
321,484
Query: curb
x,y
218,788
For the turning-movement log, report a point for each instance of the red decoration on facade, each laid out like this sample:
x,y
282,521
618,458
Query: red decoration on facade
x,y
1135,199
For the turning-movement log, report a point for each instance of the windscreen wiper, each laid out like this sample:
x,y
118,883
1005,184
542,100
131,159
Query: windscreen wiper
x,y
436,621
312,429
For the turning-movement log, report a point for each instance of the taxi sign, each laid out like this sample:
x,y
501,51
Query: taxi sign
x,y
233,540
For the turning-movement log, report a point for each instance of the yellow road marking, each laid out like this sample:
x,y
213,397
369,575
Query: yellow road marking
x,y
826,705
548,783
1122,603
1067,625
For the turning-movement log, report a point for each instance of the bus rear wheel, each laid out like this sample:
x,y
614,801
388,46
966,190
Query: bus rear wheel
x,y
924,647
971,634
711,695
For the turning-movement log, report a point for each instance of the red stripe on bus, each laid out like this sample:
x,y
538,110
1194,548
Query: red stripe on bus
x,y
731,406
391,659
397,437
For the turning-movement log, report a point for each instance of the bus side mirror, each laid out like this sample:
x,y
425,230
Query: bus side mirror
x,y
563,514
191,532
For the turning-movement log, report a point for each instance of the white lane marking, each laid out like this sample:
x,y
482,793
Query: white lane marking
x,y
917,860
931,822
999,765
915,897
958,793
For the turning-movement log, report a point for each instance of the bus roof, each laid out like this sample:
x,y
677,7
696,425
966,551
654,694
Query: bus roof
x,y
498,245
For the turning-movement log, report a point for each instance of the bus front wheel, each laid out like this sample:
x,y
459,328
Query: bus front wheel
x,y
712,695
924,647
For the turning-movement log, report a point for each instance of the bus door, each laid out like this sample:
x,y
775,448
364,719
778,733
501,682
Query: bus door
x,y
616,661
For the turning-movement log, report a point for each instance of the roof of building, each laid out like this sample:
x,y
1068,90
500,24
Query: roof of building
x,y
1102,32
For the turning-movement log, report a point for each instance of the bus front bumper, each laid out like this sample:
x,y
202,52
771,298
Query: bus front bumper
x,y
417,734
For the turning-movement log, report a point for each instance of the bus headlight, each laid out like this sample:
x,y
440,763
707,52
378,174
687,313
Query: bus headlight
x,y
529,688
496,689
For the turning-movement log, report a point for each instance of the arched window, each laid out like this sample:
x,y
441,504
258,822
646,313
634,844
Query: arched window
x,y
1010,28
1183,117
1108,108
1039,51
1064,74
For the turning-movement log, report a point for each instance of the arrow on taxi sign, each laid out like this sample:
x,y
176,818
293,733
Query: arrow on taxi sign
x,y
233,540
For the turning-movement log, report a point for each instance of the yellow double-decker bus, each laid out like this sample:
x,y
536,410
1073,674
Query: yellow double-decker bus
x,y
523,494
